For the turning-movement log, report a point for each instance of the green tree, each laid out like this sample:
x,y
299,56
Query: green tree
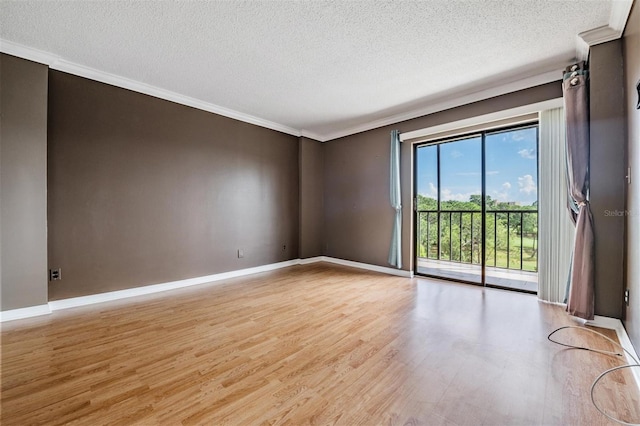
x,y
460,229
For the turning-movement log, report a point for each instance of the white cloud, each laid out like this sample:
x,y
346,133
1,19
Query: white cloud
x,y
527,184
447,195
492,172
433,190
504,194
456,154
527,153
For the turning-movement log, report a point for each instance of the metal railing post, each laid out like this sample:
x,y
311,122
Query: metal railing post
x,y
521,239
508,238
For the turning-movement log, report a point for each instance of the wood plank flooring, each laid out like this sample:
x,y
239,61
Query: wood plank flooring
x,y
313,344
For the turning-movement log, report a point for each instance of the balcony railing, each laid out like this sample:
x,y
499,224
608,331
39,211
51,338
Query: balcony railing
x,y
510,237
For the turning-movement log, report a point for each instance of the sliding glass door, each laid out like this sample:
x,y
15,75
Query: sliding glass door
x,y
449,209
476,208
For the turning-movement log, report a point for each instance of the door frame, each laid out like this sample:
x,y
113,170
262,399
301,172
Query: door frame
x,y
414,177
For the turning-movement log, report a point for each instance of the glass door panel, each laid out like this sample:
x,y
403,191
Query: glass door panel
x,y
511,204
449,204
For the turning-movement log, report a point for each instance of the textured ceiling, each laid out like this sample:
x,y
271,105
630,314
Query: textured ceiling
x,y
320,67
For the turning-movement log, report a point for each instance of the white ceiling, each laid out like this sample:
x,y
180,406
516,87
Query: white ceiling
x,y
321,68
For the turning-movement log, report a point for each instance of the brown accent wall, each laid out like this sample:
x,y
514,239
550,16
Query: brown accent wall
x,y
311,197
607,174
358,217
23,183
631,55
357,214
145,191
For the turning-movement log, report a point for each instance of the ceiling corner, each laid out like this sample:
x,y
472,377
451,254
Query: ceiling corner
x,y
311,135
620,10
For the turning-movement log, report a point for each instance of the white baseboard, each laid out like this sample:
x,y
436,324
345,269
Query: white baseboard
x,y
552,303
21,313
605,322
623,338
74,302
156,288
309,260
367,266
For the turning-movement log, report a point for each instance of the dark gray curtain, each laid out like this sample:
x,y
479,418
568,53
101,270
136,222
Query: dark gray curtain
x,y
575,90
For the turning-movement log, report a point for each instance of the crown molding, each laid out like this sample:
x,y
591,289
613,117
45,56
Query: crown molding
x,y
57,63
582,49
157,92
618,17
620,10
312,135
600,35
456,100
29,53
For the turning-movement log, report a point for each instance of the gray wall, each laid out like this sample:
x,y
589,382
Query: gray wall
x,y
311,197
631,51
145,191
357,214
23,183
607,172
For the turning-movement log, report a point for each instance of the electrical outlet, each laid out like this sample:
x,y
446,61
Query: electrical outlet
x,y
626,297
55,274
284,247
240,254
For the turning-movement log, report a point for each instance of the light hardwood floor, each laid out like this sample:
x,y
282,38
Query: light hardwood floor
x,y
318,344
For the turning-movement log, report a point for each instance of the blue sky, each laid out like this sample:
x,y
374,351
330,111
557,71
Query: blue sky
x,y
511,166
